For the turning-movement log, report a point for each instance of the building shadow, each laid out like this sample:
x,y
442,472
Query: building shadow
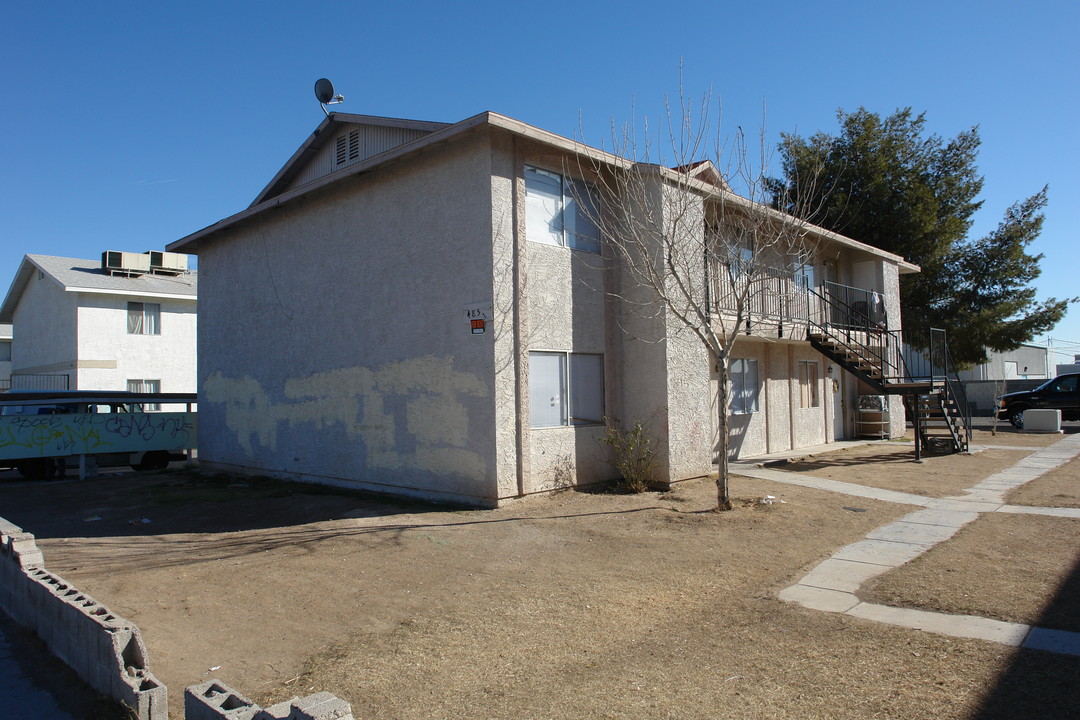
x,y
1036,683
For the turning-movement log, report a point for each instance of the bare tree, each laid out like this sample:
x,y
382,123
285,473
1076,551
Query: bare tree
x,y
701,245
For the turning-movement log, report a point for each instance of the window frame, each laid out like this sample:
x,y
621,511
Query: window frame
x,y
572,192
145,319
739,377
809,387
567,389
145,385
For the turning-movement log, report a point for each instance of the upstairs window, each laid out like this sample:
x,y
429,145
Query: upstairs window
x,y
804,275
560,210
5,350
143,318
566,389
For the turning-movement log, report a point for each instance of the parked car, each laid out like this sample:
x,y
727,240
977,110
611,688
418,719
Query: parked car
x,y
1062,393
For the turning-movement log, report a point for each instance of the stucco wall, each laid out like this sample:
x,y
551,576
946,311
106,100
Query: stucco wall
x,y
109,356
334,344
749,431
562,309
44,326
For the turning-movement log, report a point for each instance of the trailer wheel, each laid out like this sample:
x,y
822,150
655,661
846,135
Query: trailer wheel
x,y
153,460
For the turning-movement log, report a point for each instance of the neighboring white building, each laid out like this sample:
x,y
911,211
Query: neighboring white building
x,y
421,308
79,326
5,356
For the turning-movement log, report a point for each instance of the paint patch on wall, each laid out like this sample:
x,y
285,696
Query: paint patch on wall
x,y
354,401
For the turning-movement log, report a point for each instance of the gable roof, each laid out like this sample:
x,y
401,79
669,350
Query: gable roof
x,y
329,129
86,276
703,176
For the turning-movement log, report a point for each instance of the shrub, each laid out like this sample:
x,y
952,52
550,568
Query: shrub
x,y
635,455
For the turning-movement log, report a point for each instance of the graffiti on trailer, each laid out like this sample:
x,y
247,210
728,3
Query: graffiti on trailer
x,y
87,433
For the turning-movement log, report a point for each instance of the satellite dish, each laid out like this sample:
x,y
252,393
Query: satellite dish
x,y
324,90
324,93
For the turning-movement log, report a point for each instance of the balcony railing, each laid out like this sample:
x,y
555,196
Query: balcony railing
x,y
777,294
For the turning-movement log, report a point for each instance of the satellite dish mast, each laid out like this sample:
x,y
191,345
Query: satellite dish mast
x,y
324,92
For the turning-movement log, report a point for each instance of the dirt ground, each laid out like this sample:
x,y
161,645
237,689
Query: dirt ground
x,y
1017,568
574,604
1057,488
892,466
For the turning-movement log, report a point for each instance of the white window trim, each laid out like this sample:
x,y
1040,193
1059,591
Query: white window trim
x,y
809,389
566,239
738,391
566,392
143,322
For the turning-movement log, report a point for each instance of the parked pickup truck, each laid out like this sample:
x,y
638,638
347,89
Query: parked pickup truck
x,y
1062,393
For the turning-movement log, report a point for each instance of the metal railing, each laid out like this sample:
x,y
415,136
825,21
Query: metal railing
x,y
862,330
944,372
766,293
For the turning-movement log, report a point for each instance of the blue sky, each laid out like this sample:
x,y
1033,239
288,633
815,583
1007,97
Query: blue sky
x,y
129,125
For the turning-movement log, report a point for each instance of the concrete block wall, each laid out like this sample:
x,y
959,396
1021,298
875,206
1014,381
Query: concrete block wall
x,y
104,649
107,651
213,700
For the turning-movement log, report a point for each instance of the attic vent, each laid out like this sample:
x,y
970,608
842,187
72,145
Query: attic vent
x,y
348,147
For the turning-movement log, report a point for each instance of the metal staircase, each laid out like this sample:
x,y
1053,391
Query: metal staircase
x,y
854,335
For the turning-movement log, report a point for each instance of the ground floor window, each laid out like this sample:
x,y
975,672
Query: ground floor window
x,y
566,389
145,386
808,384
744,386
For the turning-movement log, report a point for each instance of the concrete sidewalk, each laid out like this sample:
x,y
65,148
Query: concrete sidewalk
x,y
833,584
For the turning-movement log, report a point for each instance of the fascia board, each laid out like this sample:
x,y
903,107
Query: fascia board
x,y
18,286
131,293
317,139
190,242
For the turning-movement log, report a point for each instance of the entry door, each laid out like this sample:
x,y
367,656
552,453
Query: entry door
x,y
836,387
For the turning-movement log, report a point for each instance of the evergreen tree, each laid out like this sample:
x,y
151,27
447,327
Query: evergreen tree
x,y
888,184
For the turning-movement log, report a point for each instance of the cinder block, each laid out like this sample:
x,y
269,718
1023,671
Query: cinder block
x,y
321,706
8,528
278,711
214,700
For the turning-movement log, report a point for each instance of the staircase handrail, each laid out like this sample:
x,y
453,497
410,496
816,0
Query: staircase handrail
x,y
889,353
953,387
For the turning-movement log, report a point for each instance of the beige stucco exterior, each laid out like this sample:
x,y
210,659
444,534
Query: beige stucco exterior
x,y
358,364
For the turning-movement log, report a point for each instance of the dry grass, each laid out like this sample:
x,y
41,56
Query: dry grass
x,y
1018,568
892,466
1057,488
568,605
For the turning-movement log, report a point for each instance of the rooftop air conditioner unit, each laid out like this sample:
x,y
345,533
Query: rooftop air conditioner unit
x,y
125,263
167,263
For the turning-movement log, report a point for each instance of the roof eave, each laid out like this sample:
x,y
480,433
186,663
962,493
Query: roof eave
x,y
190,243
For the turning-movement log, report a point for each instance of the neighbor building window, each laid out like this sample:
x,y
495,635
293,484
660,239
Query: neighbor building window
x,y
143,318
145,386
5,350
744,386
566,389
808,384
560,210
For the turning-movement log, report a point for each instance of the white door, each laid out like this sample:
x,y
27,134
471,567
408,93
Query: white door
x,y
836,387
